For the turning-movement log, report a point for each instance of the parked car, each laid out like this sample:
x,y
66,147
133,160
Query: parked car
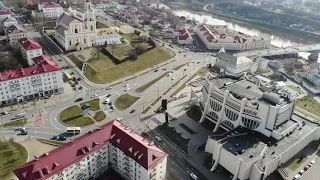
x,y
78,79
4,113
61,138
79,99
145,134
306,168
193,176
158,138
156,70
301,172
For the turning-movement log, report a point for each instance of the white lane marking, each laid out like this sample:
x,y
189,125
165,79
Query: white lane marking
x,y
50,117
44,110
179,167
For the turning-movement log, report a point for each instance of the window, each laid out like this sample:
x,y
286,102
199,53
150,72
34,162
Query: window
x,y
76,31
91,28
70,43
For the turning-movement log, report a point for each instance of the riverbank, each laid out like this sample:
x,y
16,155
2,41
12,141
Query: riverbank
x,y
283,34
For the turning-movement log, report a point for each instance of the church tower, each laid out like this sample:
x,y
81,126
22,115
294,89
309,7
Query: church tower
x,y
90,17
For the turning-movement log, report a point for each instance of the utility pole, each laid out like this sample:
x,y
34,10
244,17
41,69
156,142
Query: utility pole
x,y
33,128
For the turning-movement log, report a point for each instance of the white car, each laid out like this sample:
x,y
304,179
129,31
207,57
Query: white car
x,y
193,176
158,138
107,100
127,89
312,162
119,119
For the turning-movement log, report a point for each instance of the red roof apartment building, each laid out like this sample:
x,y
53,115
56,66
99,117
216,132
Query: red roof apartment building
x,y
112,145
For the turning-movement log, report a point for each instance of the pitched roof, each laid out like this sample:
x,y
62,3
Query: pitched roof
x,y
29,44
44,59
227,57
4,12
66,19
52,5
60,29
9,19
114,132
32,71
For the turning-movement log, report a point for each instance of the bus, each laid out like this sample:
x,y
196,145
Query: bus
x,y
74,130
66,73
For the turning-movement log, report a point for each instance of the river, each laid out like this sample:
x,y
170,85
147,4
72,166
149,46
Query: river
x,y
275,40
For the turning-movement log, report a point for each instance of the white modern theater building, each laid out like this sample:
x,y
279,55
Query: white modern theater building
x,y
112,145
262,132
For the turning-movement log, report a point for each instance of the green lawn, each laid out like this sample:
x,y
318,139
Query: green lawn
x,y
72,117
102,63
295,88
194,112
149,84
294,164
99,116
121,51
144,61
20,122
94,103
12,155
76,61
124,101
309,104
129,37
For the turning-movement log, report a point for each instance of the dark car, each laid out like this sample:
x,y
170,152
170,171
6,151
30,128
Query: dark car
x,y
61,138
156,70
23,132
108,95
132,111
78,79
108,88
145,134
179,51
4,113
79,99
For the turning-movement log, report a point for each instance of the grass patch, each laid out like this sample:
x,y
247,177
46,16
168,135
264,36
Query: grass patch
x,y
101,63
124,101
81,57
20,122
120,52
309,104
307,113
101,25
146,110
295,88
72,117
194,112
76,61
50,33
149,84
99,116
296,163
178,67
144,61
47,141
129,37
12,155
94,103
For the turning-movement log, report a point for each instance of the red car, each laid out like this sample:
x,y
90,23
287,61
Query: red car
x,y
306,168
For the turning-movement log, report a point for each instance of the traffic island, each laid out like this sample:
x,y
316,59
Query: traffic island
x,y
19,122
124,101
99,116
72,116
149,84
12,156
94,104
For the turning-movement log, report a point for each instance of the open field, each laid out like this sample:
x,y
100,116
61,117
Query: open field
x,y
309,104
121,51
76,61
72,117
144,61
124,101
12,155
102,63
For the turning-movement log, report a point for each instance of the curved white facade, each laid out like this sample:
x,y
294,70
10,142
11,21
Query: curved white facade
x,y
227,111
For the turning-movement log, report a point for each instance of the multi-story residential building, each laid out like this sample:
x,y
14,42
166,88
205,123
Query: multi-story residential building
x,y
8,22
215,37
30,49
5,14
50,9
14,33
35,82
262,133
238,65
184,37
112,145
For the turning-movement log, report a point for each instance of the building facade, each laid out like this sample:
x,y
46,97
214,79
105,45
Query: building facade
x,y
5,14
14,33
78,30
112,145
8,22
184,37
215,37
50,9
238,65
29,83
30,49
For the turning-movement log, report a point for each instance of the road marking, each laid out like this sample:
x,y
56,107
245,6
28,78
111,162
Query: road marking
x,y
44,110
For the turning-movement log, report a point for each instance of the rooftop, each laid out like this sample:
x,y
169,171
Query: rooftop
x,y
15,29
4,12
29,44
133,145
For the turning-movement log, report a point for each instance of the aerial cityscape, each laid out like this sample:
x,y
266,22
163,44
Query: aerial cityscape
x,y
159,90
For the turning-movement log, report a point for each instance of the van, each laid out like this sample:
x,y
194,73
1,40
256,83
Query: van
x,y
21,115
